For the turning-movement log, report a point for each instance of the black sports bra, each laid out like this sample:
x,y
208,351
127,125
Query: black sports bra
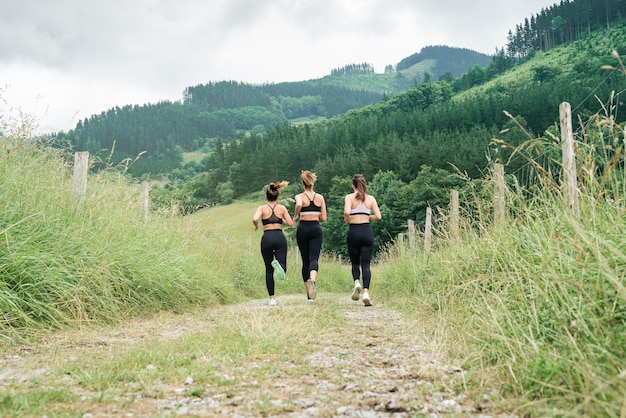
x,y
312,208
273,219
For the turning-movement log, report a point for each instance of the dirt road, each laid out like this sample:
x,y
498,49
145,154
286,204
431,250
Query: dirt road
x,y
335,358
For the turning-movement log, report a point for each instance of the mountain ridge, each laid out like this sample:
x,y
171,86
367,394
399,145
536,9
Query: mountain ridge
x,y
226,110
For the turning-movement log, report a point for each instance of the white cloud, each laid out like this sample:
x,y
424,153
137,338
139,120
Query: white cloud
x,y
67,60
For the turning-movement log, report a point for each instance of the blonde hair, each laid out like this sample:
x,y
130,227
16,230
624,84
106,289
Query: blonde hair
x,y
308,178
274,189
358,181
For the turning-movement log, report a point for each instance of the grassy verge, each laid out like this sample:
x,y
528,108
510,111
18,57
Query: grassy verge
x,y
103,261
63,263
536,308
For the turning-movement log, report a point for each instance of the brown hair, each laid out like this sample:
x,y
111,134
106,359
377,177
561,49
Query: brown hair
x,y
274,190
358,181
308,178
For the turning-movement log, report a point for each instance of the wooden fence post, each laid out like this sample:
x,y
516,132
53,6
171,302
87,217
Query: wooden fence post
x,y
454,214
411,223
79,179
145,198
569,160
498,194
400,241
428,231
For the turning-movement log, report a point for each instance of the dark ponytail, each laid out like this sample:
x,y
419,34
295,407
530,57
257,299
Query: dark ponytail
x,y
358,181
273,191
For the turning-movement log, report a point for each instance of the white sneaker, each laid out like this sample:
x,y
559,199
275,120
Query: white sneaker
x,y
356,292
272,302
366,299
312,289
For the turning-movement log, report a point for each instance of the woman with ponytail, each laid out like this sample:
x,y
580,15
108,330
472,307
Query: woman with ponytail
x,y
311,207
359,209
273,241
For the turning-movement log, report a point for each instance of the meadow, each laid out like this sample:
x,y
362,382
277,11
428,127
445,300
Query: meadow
x,y
534,309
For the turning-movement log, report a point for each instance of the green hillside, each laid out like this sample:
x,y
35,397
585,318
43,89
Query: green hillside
x,y
224,111
389,84
532,312
430,134
529,304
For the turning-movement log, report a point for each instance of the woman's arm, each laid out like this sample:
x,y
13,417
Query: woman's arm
x,y
286,217
347,206
377,215
323,215
256,217
298,207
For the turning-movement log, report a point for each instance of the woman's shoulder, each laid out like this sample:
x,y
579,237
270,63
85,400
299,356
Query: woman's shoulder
x,y
264,208
370,201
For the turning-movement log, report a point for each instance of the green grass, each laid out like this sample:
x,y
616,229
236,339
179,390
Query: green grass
x,y
64,264
194,156
33,402
537,307
215,356
595,49
535,311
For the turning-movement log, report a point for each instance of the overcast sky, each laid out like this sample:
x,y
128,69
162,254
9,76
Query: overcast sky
x,y
64,60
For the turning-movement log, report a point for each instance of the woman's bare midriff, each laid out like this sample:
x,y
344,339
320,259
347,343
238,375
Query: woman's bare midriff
x,y
271,227
359,219
309,217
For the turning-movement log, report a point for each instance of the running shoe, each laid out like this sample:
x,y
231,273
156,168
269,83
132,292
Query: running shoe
x,y
279,273
366,299
312,289
272,302
356,292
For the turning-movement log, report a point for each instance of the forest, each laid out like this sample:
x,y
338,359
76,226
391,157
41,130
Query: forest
x,y
416,146
561,23
223,111
412,146
464,60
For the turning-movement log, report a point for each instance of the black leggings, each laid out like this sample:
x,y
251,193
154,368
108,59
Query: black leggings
x,y
273,244
361,248
309,237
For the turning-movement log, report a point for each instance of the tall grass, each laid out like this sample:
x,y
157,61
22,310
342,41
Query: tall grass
x,y
535,308
61,264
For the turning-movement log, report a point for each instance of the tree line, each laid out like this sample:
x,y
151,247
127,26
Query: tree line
x,y
463,60
416,144
560,23
431,128
223,110
364,68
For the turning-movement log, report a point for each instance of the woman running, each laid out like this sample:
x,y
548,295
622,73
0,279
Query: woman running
x,y
273,242
311,208
357,212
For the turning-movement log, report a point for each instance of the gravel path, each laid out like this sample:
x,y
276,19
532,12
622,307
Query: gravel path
x,y
369,362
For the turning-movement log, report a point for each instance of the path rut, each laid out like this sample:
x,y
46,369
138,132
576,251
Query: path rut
x,y
373,363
